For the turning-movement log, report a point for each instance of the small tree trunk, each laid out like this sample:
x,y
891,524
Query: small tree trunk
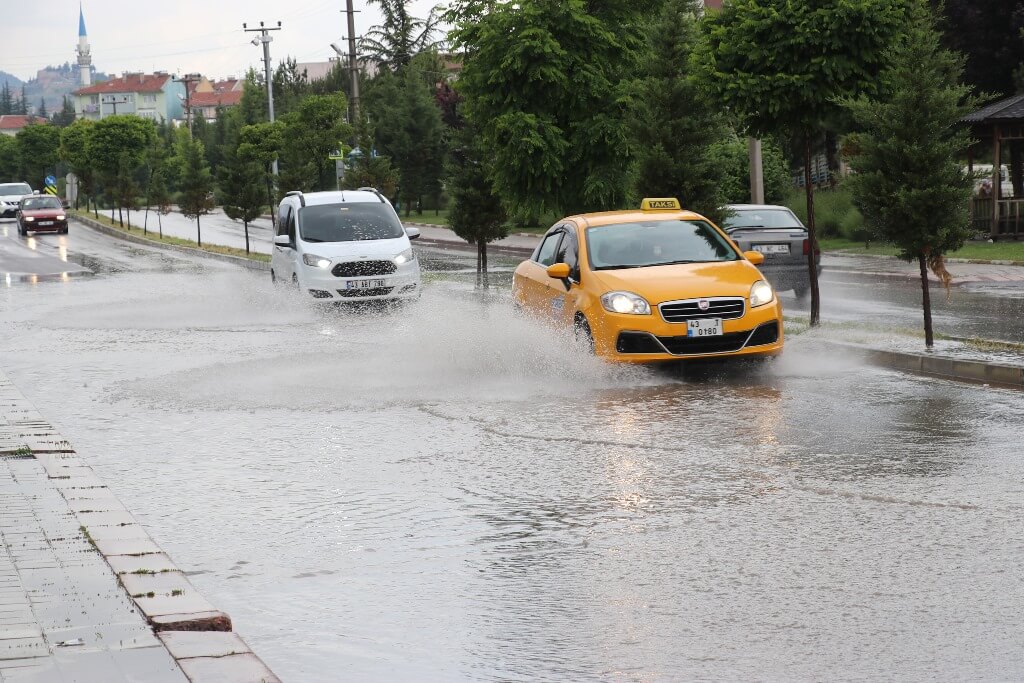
x,y
145,221
246,223
270,199
199,232
926,302
479,263
120,215
483,252
160,223
812,269
128,213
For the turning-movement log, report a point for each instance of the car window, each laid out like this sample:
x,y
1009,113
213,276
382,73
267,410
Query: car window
x,y
15,189
546,253
762,218
656,243
36,203
282,219
349,222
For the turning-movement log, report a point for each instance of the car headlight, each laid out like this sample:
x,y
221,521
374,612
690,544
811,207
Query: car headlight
x,y
625,302
404,257
316,261
61,217
29,219
760,294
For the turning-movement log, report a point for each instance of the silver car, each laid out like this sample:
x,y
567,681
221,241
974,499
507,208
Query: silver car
x,y
776,232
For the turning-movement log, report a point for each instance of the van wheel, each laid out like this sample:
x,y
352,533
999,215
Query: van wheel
x,y
584,337
273,277
295,281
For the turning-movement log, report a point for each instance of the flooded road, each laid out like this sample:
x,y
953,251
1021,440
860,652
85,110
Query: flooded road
x,y
448,492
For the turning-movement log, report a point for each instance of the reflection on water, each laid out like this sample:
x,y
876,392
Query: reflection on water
x,y
446,491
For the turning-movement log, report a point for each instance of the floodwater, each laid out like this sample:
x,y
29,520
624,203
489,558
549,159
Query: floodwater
x,y
446,492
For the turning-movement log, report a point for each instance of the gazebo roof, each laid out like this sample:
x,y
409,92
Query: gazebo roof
x,y
1008,110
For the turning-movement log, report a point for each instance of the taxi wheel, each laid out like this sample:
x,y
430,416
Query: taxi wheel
x,y
584,337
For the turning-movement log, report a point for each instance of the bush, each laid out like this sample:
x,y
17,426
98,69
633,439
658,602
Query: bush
x,y
733,154
834,213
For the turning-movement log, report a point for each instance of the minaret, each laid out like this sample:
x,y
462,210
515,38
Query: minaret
x,y
84,58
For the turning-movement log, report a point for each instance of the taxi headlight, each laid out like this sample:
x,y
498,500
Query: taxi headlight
x,y
761,293
404,257
626,303
316,261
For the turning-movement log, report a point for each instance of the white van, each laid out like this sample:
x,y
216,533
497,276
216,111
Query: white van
x,y
344,246
983,172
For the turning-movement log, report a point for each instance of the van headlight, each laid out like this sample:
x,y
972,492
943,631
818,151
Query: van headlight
x,y
761,293
626,303
316,261
404,257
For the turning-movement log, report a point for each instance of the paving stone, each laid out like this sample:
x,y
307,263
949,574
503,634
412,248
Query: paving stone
x,y
126,564
133,546
246,668
188,644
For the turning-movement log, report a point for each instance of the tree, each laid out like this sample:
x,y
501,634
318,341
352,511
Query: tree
x,y
241,193
779,65
42,113
156,180
117,147
310,134
477,214
909,181
75,152
21,104
374,172
6,99
400,36
195,184
66,116
159,195
541,83
261,144
675,128
991,34
38,145
9,163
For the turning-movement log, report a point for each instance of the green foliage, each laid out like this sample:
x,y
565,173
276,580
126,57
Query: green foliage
x,y
834,209
75,152
9,164
253,107
260,144
541,82
37,151
991,35
373,172
675,128
117,146
477,214
400,36
908,180
309,134
733,155
241,184
66,116
408,129
195,186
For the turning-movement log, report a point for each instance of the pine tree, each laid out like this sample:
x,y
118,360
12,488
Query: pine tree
x,y
22,106
42,113
6,100
908,180
195,183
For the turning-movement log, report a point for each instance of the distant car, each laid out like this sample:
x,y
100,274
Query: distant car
x,y
778,234
41,213
10,195
345,246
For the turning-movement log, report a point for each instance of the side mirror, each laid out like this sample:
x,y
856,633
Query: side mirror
x,y
282,241
559,271
413,233
755,257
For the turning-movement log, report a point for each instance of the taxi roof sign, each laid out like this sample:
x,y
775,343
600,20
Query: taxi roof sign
x,y
660,204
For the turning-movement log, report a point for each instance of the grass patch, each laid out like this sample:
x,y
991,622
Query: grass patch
x,y
982,251
176,241
21,452
430,217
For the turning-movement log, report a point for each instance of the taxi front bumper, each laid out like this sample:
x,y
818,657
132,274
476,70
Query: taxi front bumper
x,y
650,339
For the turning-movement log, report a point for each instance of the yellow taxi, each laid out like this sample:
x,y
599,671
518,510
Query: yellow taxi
x,y
658,284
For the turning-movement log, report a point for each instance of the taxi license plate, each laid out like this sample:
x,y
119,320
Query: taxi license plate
x,y
364,284
705,327
771,248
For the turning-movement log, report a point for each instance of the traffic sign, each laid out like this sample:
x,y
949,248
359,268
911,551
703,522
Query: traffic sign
x,y
51,185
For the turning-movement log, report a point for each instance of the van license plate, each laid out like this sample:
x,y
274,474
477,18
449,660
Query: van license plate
x,y
704,327
364,284
772,248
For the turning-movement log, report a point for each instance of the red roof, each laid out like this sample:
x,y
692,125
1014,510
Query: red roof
x,y
128,83
228,98
18,121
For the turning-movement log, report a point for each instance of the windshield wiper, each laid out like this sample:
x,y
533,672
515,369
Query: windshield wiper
x,y
311,239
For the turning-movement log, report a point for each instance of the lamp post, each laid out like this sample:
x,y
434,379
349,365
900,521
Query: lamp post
x,y
265,38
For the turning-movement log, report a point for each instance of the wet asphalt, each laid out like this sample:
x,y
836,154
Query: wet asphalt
x,y
445,491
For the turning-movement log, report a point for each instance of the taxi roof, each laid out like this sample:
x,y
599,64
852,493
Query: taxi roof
x,y
592,220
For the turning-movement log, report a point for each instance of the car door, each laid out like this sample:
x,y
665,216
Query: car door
x,y
534,293
282,257
564,295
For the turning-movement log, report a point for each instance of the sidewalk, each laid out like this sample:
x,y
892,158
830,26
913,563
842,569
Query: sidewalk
x,y
70,553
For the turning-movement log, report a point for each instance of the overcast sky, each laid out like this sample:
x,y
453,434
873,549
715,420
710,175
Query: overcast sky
x,y
180,36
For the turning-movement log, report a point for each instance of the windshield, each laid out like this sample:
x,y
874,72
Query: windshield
x,y
761,218
36,203
656,243
15,189
349,222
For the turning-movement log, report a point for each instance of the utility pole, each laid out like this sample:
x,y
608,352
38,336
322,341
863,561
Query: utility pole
x,y
756,171
188,80
353,61
266,38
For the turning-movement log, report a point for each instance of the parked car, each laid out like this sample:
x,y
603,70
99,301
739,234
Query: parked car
x,y
344,246
41,213
778,234
983,180
10,195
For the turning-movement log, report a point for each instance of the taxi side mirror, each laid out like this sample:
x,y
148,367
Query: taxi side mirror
x,y
755,257
559,271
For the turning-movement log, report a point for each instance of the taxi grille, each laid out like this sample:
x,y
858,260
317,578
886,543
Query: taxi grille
x,y
363,268
643,342
724,308
688,346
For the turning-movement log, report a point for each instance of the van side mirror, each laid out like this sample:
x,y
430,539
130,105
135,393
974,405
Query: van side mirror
x,y
559,271
282,241
413,233
755,257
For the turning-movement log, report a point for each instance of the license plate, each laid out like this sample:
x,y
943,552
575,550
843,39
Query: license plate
x,y
45,222
705,327
364,284
771,248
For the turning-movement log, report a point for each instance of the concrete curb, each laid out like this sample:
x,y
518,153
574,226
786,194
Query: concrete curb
x,y
888,257
250,264
466,246
945,367
159,589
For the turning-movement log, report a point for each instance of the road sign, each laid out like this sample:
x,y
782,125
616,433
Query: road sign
x,y
51,185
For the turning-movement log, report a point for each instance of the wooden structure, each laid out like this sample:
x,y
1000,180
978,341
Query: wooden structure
x,y
1001,214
